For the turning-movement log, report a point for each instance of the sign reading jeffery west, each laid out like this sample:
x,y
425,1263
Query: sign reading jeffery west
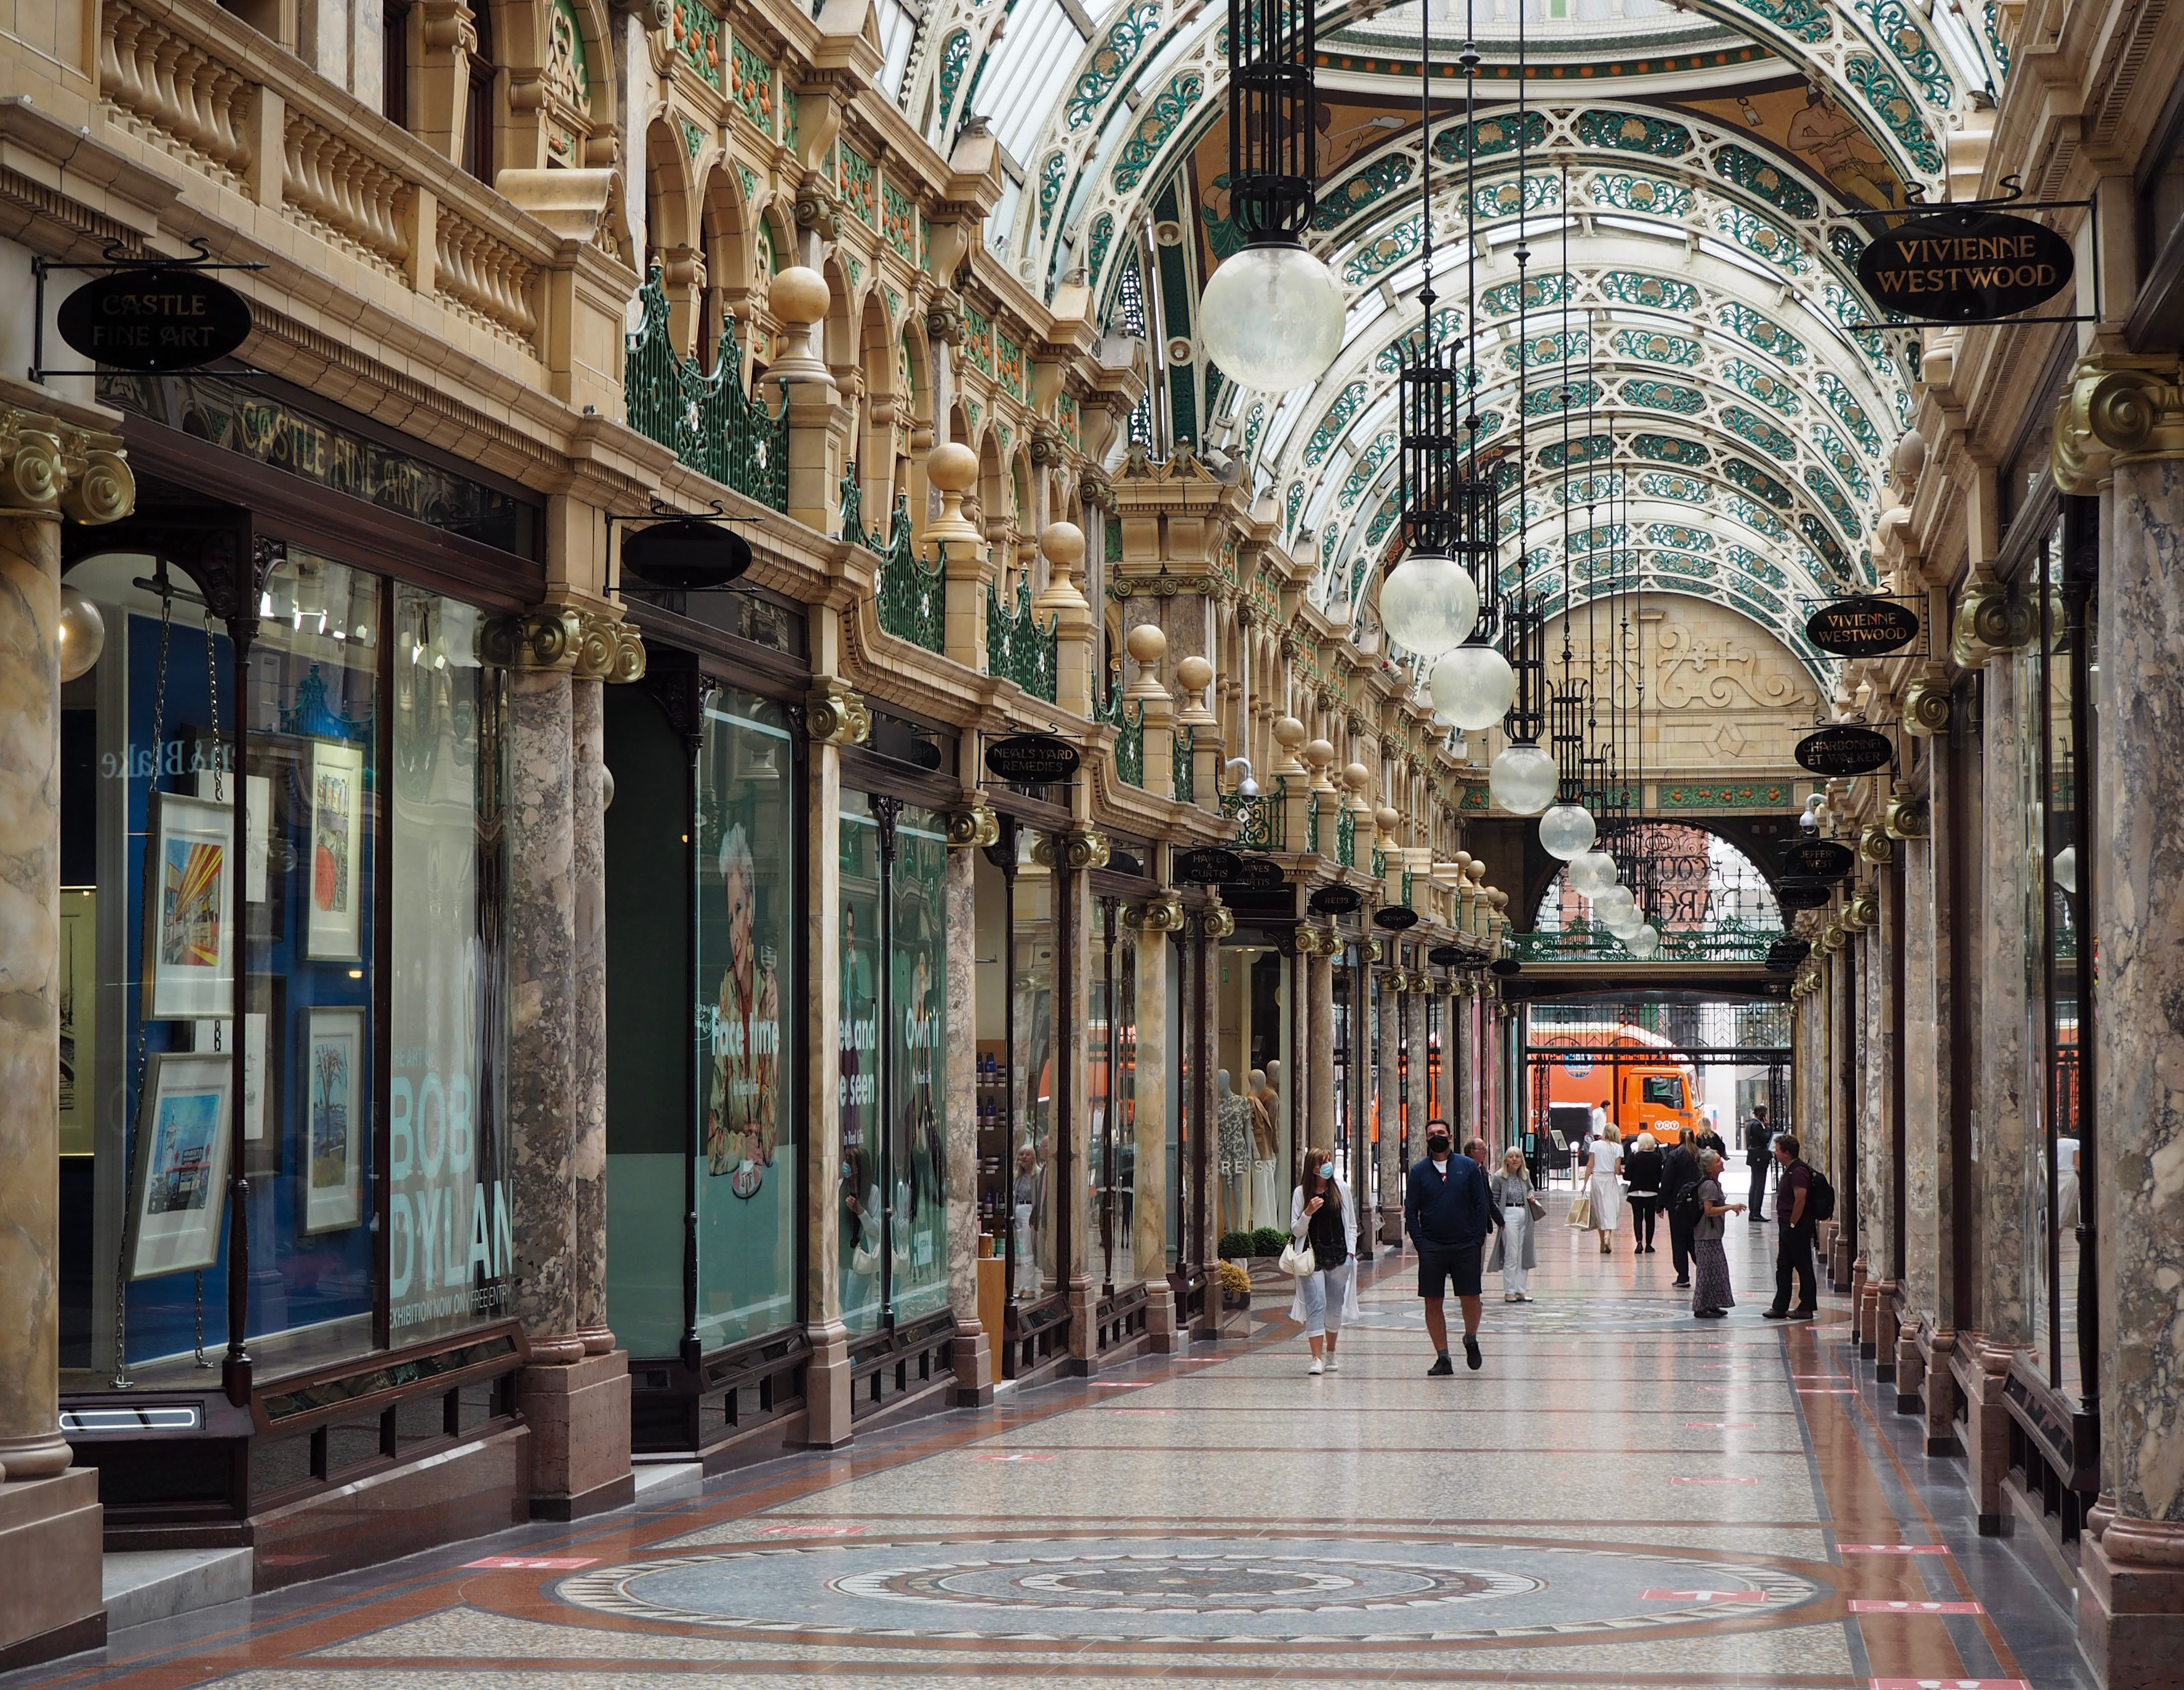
x,y
1965,267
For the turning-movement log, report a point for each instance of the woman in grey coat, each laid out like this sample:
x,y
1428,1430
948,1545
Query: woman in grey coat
x,y
1511,1193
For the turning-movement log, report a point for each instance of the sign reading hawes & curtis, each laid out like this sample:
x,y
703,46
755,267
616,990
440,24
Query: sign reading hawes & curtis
x,y
1965,266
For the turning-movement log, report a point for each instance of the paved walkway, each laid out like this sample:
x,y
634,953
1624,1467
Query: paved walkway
x,y
1623,1497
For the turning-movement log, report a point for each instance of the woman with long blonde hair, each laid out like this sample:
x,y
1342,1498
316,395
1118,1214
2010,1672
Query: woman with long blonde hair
x,y
1603,1167
1323,1219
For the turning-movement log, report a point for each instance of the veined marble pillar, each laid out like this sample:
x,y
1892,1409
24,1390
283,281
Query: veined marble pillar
x,y
1462,1104
1320,1121
1149,1138
1418,1093
1387,1090
972,1354
826,1385
588,983
51,1524
1074,963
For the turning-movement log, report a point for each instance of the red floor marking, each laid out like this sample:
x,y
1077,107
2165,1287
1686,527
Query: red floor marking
x,y
1703,1596
1713,1481
555,1564
1893,1549
1878,1607
814,1529
1019,1455
1826,1391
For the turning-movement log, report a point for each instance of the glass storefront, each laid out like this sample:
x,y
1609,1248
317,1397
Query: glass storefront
x,y
1112,1087
1252,1061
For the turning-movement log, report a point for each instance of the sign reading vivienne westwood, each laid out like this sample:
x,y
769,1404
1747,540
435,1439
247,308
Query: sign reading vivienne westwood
x,y
1862,627
1965,267
1844,750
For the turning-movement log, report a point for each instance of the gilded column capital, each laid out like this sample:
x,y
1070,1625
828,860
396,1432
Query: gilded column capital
x,y
54,468
2119,409
1162,913
545,639
974,824
834,714
608,649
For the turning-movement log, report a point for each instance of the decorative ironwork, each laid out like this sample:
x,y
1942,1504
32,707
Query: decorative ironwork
x,y
1186,766
707,420
1129,726
1018,649
1731,943
913,596
1312,823
1261,822
1273,108
1345,837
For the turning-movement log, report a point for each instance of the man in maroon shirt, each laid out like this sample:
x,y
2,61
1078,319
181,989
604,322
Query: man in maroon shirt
x,y
1793,1251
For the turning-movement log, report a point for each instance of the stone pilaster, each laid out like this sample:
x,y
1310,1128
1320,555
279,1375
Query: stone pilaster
x,y
1387,1090
1418,1091
587,982
1319,989
1149,1204
833,715
973,1355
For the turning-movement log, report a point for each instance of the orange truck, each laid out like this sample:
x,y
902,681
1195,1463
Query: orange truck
x,y
1648,1089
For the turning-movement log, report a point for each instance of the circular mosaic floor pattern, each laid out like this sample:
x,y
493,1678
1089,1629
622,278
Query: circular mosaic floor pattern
x,y
1297,1588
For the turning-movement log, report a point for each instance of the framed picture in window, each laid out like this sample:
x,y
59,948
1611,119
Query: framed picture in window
x,y
78,1017
183,1129
334,1114
334,929
265,1024
189,909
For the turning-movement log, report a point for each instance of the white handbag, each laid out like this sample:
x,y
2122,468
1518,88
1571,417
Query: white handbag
x,y
1298,1259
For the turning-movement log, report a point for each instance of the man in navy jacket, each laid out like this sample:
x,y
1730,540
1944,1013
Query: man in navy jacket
x,y
1447,1213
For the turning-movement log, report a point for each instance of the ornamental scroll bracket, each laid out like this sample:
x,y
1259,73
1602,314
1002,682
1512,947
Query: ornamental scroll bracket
x,y
835,715
52,469
2119,409
974,824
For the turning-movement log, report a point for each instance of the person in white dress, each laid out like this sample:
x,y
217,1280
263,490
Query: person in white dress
x,y
2066,1185
1604,1175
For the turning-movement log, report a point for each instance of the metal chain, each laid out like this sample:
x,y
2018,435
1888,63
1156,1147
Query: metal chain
x,y
218,796
121,1380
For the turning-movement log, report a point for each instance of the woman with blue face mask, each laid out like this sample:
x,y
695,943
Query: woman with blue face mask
x,y
1323,1219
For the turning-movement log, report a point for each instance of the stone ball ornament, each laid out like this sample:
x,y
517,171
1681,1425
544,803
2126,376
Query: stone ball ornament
x,y
800,294
1523,779
82,633
1272,317
1063,543
1146,643
1428,604
1472,687
952,468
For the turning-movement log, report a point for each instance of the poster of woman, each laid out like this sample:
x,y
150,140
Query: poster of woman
x,y
739,1106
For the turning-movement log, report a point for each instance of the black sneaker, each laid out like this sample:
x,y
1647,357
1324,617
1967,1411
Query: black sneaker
x,y
1804,1314
1775,1314
1683,1285
1471,1358
1442,1369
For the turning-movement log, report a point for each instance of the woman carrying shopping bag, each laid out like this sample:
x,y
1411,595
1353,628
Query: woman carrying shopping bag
x,y
1604,1186
1511,1191
1321,1254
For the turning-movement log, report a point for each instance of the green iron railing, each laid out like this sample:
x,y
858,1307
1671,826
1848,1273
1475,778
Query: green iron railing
x,y
1260,821
1128,723
1018,649
1732,942
913,595
1186,766
708,421
1312,823
1345,837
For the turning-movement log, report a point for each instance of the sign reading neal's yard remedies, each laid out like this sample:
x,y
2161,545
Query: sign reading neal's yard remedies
x,y
1862,627
1207,865
1965,267
1033,759
1844,750
154,320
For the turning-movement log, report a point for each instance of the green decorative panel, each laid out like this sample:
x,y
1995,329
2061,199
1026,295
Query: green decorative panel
x,y
898,220
1647,194
1331,425
1366,466
1990,25
1494,136
1896,110
697,38
1103,236
693,138
1683,563
1253,426
861,190
978,339
1761,796
1758,483
1756,175
1608,536
1670,448
1758,430
1749,324
1125,38
1503,200
1010,368
1663,396
748,178
1769,389
1760,568
1823,542
1841,459
1653,292
1656,347
1540,292
1763,239
1629,133
1832,501
1289,515
1763,608
1159,120
788,117
1895,24
1758,517
751,86
1592,447
1544,349
1447,324
1361,189
913,594
1566,396
1594,490
1475,798
1852,414
1391,249
1682,488
706,419
1018,649
1051,176
1383,519
1677,538
1806,20
954,61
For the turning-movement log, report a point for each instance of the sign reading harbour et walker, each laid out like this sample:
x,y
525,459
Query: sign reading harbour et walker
x,y
1965,267
1865,626
1845,751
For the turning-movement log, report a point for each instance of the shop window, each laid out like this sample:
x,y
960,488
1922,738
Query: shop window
x,y
1112,1087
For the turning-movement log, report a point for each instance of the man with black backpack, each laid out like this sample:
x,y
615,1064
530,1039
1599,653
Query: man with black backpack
x,y
1680,1179
1800,1194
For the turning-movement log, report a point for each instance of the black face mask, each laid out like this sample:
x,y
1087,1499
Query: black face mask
x,y
1437,1150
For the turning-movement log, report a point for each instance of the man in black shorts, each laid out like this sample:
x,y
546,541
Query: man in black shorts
x,y
1447,1213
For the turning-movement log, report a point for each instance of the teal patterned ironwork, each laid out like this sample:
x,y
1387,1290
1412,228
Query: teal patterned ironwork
x,y
1991,22
1128,721
1161,116
1746,323
1126,36
1886,96
1656,347
1681,488
1261,822
1758,430
1361,189
860,186
1103,235
1758,517
1823,542
954,61
1761,607
1312,823
1564,396
1893,23
1606,536
1756,175
1682,563
1756,235
1757,566
1447,323
1540,292
1806,20
1591,448
1366,466
1678,537
1186,766
1018,649
1383,519
1648,194
1763,385
1832,501
1663,396
1393,246
1504,199
1841,459
1051,176
1671,449
1593,490
1628,132
1331,425
1288,517
1495,135
1345,837
1758,483
1542,349
1653,292
707,420
913,595
1852,414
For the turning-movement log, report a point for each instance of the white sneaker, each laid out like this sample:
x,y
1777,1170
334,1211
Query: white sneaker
x,y
1317,1366
1333,1365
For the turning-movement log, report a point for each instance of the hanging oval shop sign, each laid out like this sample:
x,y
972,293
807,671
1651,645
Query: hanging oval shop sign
x,y
1444,957
1335,900
1784,955
1862,627
1966,267
1257,874
1032,759
1817,859
1207,865
1395,917
1797,892
1844,750
685,556
154,320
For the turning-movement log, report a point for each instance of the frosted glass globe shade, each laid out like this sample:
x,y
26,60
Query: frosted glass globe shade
x,y
1592,872
1643,943
1428,604
83,633
1523,779
1611,906
1625,923
1272,317
1473,686
1566,831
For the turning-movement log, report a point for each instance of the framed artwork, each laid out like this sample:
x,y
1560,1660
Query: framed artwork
x,y
258,827
182,1132
189,909
334,1115
335,929
265,1029
79,1006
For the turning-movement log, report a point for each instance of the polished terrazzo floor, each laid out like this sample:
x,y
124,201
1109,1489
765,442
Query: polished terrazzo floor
x,y
1623,1497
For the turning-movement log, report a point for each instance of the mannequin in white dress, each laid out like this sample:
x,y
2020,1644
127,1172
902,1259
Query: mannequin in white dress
x,y
1265,1151
1231,1147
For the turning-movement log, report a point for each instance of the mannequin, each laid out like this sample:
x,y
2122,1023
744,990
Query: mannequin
x,y
1264,1150
1232,1145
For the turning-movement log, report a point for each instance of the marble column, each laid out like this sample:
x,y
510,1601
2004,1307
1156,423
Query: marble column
x,y
588,985
1074,1268
972,1354
1320,1121
1152,1196
1462,1104
2130,1592
1419,1092
50,1517
826,1383
1387,1090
